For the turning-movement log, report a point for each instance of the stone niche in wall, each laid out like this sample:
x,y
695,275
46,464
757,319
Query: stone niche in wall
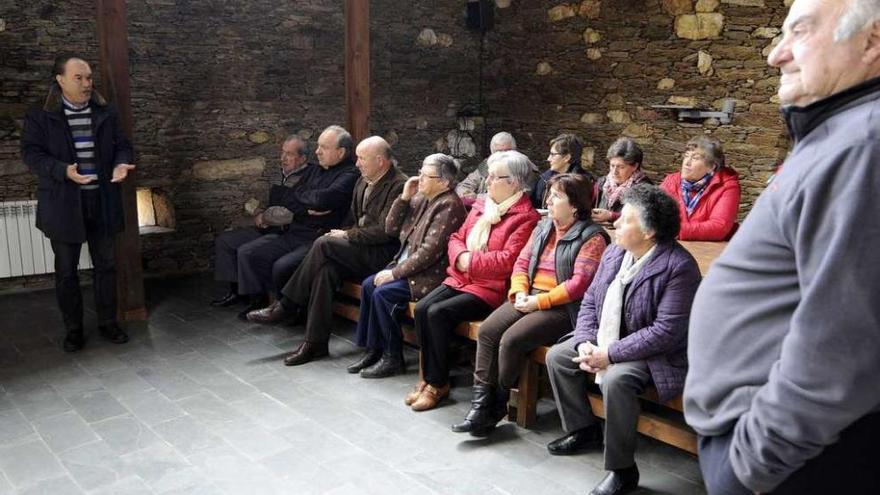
x,y
155,211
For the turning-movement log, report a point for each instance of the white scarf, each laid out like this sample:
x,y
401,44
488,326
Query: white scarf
x,y
609,323
492,213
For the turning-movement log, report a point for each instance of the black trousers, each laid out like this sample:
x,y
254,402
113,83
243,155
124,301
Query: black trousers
x,y
848,466
330,261
67,261
436,316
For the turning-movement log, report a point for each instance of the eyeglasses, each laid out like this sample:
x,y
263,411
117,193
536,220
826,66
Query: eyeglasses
x,y
491,177
423,175
694,155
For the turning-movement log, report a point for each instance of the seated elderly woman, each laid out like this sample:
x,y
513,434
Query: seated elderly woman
x,y
425,214
549,279
631,331
481,257
624,171
707,192
564,158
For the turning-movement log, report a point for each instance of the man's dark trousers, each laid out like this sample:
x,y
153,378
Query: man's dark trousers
x,y
848,466
101,245
331,261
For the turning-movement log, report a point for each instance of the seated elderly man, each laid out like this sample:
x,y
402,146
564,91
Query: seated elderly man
x,y
425,214
268,221
475,183
631,331
354,252
319,203
707,191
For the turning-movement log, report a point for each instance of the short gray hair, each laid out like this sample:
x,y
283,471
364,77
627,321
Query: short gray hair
x,y
518,166
303,144
502,139
343,139
626,149
446,167
657,211
859,15
711,148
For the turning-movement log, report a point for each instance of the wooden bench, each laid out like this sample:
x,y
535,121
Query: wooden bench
x,y
661,421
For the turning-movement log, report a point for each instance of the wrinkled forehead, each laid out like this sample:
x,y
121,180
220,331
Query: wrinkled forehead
x,y
815,13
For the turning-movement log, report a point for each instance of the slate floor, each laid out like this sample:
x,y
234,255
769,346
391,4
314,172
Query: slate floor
x,y
199,403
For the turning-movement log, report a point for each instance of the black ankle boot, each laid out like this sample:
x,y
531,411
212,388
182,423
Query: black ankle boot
x,y
480,420
74,341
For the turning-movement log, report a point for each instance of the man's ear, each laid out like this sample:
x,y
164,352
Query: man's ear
x,y
872,44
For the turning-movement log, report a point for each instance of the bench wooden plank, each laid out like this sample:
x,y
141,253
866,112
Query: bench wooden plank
x,y
667,431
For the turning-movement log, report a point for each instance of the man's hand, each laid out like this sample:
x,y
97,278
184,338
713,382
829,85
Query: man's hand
x,y
591,359
526,304
338,233
75,176
463,261
410,188
601,215
383,278
120,172
259,222
319,213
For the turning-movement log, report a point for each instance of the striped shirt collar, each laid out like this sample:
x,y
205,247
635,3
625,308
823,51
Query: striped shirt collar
x,y
73,106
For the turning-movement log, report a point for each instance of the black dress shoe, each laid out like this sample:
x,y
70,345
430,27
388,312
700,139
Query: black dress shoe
x,y
307,351
113,333
74,341
228,299
388,365
368,359
618,482
577,441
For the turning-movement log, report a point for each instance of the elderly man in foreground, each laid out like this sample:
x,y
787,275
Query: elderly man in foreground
x,y
785,329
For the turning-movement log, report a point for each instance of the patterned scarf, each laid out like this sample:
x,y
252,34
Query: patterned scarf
x,y
612,191
492,213
691,192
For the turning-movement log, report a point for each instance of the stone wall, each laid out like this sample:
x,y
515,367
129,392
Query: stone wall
x,y
596,67
215,87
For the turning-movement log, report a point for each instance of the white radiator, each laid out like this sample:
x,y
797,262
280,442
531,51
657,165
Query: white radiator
x,y
24,250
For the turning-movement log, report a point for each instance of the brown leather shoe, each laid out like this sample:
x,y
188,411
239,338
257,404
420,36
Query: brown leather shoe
x,y
416,392
272,313
307,351
430,397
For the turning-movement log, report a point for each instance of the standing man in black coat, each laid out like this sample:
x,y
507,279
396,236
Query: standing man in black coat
x,y
75,145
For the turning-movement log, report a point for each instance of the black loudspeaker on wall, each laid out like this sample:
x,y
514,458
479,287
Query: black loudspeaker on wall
x,y
479,14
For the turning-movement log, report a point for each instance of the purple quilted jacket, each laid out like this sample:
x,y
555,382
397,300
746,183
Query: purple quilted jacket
x,y
656,313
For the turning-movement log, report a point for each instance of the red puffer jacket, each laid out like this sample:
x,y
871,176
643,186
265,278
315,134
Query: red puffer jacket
x,y
714,218
490,269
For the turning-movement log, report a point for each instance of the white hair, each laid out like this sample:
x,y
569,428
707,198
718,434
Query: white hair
x,y
518,166
504,139
859,15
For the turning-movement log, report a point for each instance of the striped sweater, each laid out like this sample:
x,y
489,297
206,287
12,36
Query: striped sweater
x,y
79,120
556,293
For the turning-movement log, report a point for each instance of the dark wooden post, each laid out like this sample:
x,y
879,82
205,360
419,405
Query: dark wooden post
x,y
113,40
357,67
